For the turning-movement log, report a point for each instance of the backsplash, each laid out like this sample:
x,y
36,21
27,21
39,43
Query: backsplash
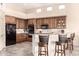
x,y
20,31
55,31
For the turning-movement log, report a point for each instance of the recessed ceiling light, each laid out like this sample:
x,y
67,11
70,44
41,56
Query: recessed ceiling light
x,y
49,9
61,7
38,10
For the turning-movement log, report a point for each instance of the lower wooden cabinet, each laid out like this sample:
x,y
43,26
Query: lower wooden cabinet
x,y
21,37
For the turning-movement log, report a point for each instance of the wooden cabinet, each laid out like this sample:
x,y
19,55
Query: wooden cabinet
x,y
20,24
10,20
26,24
32,21
61,22
52,22
21,37
39,23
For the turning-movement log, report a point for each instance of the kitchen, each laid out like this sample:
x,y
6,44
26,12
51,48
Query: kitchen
x,y
23,31
28,26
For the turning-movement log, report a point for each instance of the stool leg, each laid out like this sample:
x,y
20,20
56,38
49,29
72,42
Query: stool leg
x,y
55,51
67,45
61,50
64,49
72,44
58,51
47,50
39,52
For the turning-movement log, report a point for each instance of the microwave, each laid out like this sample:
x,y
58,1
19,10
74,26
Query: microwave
x,y
44,26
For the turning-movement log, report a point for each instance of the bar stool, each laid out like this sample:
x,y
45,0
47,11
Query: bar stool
x,y
70,42
43,49
43,45
70,45
72,38
59,49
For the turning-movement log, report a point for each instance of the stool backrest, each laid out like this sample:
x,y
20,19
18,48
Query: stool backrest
x,y
72,36
44,39
62,38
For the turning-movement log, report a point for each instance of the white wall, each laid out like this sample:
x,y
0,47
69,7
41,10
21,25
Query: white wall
x,y
73,21
2,30
15,13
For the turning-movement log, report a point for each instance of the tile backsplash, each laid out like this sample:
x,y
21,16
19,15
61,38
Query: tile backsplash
x,y
19,30
55,31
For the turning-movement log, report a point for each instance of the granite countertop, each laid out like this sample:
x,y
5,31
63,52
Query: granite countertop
x,y
44,33
38,33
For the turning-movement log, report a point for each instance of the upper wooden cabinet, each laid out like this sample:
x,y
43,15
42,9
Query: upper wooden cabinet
x,y
58,22
10,20
32,21
26,24
20,24
38,23
61,22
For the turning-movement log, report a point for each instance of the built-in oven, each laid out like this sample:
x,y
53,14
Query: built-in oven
x,y
31,29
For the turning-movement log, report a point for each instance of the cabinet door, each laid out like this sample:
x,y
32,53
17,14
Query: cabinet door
x,y
18,38
49,23
17,24
61,22
10,19
21,37
53,24
26,24
20,24
38,23
44,21
34,21
30,21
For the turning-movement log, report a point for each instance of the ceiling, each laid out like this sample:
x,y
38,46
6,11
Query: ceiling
x,y
23,7
27,5
28,9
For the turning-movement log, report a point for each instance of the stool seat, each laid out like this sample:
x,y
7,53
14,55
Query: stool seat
x,y
58,43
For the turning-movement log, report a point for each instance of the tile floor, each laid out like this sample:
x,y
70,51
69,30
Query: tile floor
x,y
75,52
20,49
25,49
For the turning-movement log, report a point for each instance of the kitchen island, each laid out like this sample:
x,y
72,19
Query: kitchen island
x,y
51,43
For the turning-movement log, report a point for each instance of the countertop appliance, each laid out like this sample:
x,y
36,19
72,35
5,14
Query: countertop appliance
x,y
10,34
